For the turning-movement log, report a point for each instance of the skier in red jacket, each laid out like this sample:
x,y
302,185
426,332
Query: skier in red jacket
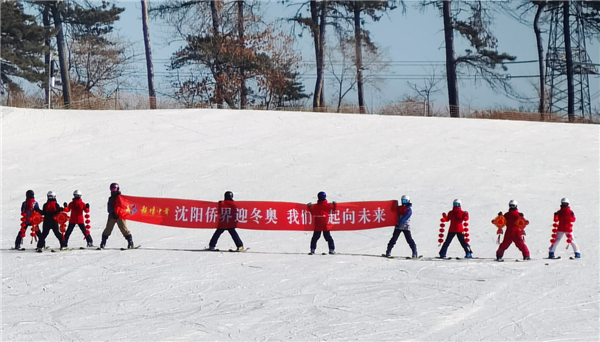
x,y
456,216
565,218
514,232
320,213
77,207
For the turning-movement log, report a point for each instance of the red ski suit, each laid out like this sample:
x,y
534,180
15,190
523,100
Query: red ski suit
x,y
456,216
77,208
513,234
565,217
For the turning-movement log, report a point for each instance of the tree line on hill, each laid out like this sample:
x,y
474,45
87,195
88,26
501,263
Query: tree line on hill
x,y
233,58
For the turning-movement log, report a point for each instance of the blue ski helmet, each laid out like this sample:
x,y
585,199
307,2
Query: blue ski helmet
x,y
114,187
321,196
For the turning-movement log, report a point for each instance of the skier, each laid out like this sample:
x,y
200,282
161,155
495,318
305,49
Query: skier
x,y
50,209
403,225
228,199
77,207
456,216
115,207
27,207
320,212
565,218
513,232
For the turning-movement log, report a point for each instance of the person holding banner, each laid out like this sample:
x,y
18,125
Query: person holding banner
x,y
115,207
320,213
403,225
228,203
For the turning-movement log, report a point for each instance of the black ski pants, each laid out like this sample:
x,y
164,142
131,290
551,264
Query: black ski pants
x,y
317,235
461,239
234,235
407,236
70,228
46,228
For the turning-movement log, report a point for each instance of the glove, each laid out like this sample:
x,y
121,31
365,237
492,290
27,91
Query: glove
x,y
65,204
500,214
521,214
87,205
334,202
309,204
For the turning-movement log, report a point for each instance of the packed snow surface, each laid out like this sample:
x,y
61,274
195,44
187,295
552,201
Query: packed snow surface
x,y
170,290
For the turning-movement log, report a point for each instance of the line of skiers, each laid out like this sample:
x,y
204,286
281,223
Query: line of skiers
x,y
78,209
514,221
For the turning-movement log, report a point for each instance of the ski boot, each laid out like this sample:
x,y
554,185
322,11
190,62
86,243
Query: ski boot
x,y
312,252
103,243
526,258
130,244
550,255
577,255
331,251
469,255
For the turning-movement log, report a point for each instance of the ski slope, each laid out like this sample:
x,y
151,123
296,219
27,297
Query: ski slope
x,y
170,291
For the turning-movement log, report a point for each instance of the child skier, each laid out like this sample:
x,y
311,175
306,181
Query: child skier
x,y
50,209
320,213
228,198
27,207
403,225
565,218
77,207
114,208
456,216
513,232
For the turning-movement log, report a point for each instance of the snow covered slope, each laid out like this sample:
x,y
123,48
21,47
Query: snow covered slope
x,y
168,290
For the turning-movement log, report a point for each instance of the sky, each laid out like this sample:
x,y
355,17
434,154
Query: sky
x,y
170,290
414,45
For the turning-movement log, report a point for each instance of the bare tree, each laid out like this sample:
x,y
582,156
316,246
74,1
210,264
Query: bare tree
x,y
428,87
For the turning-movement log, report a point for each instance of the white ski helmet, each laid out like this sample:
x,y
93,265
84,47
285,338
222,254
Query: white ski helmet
x,y
564,201
405,199
77,193
51,195
513,203
457,203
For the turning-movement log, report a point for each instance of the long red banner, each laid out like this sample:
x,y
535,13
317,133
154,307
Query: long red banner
x,y
259,215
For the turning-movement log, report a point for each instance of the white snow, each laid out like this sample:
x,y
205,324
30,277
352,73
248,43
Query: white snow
x,y
275,291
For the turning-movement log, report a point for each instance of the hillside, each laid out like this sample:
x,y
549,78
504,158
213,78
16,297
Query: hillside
x,y
168,290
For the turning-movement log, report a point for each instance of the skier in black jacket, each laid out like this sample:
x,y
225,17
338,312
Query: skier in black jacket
x,y
50,209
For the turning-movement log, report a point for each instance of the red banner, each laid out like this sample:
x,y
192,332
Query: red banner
x,y
259,215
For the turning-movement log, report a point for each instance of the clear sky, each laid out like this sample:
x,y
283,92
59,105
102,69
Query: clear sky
x,y
415,46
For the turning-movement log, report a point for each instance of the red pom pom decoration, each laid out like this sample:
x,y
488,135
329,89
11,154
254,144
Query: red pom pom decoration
x,y
552,241
467,240
440,240
442,230
441,235
87,216
466,230
555,225
465,224
442,225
